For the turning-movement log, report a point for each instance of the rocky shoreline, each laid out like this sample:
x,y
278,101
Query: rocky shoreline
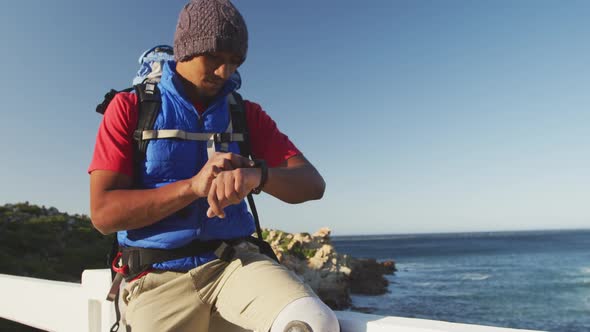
x,y
333,276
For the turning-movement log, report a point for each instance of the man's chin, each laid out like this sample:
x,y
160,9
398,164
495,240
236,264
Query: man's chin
x,y
207,93
210,91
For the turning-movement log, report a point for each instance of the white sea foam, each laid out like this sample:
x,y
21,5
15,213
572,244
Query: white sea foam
x,y
585,270
475,276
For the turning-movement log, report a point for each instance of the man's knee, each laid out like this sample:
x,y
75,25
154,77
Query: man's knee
x,y
298,326
307,314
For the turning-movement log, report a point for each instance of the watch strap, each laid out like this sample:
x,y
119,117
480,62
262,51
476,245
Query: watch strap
x,y
260,163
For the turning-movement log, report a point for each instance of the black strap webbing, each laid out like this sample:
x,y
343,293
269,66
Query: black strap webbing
x,y
102,107
240,125
110,258
256,220
149,101
139,258
238,118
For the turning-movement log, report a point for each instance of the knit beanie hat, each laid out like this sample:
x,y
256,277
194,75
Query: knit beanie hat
x,y
210,26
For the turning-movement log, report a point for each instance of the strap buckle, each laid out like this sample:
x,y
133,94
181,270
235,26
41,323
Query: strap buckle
x,y
225,252
124,270
138,135
121,271
222,137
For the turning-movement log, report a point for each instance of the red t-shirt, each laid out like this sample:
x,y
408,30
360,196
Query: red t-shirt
x,y
114,142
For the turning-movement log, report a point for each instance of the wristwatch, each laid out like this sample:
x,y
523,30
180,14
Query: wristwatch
x,y
260,163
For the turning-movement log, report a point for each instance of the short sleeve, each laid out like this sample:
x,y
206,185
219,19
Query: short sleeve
x,y
113,149
266,140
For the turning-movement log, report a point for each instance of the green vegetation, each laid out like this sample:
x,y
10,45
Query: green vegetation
x,y
41,242
265,233
284,243
303,253
44,243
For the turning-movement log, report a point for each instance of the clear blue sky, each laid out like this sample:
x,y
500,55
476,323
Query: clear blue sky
x,y
423,116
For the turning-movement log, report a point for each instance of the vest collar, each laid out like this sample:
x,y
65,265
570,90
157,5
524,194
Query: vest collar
x,y
171,82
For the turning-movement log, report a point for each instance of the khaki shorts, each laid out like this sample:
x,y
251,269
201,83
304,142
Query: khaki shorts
x,y
249,292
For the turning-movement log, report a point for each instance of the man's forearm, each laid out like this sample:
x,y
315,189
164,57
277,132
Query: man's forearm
x,y
124,209
115,207
295,184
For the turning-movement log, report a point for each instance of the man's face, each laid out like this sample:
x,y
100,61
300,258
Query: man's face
x,y
208,72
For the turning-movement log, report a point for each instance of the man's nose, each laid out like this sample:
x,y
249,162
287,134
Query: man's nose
x,y
225,71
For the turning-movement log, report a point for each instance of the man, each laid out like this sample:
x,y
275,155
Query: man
x,y
183,193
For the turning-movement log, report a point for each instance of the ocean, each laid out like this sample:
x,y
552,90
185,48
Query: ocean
x,y
536,280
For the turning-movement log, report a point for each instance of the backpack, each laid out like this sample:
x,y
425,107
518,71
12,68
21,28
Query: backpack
x,y
149,101
145,86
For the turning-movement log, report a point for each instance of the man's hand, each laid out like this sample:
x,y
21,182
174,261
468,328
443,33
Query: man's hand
x,y
294,181
220,162
230,187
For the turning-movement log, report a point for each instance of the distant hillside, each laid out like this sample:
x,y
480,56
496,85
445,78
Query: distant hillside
x,y
44,243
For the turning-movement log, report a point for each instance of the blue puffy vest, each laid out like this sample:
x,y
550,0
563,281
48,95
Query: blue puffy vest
x,y
170,160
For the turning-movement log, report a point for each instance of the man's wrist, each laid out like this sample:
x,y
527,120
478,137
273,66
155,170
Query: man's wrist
x,y
261,164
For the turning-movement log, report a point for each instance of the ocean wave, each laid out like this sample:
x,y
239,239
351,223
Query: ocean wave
x,y
475,276
585,270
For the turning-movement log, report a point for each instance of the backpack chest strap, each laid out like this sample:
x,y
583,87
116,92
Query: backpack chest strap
x,y
211,138
184,135
148,113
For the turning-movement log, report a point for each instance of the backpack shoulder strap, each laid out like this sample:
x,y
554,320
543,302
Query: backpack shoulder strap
x,y
239,123
149,102
108,97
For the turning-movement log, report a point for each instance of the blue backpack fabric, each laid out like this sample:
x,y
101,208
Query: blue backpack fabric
x,y
151,63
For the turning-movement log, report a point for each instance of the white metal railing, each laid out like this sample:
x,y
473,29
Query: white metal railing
x,y
65,307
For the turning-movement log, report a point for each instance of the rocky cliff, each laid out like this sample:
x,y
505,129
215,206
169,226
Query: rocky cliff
x,y
333,276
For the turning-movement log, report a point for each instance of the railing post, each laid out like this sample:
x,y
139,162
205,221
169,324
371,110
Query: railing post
x,y
101,315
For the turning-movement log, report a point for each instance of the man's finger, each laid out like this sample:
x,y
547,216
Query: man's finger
x,y
214,206
220,191
216,170
240,161
230,192
240,185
